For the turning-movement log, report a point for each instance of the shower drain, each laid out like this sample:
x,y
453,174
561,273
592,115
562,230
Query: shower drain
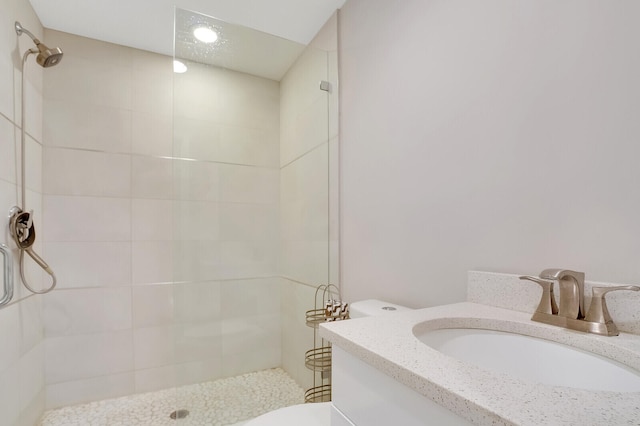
x,y
179,414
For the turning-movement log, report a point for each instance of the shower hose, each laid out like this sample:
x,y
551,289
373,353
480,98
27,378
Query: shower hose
x,y
21,222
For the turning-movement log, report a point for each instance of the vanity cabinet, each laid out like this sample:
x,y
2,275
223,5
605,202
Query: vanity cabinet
x,y
364,396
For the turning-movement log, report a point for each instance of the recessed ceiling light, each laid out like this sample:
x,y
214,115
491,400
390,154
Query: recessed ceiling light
x,y
205,34
179,67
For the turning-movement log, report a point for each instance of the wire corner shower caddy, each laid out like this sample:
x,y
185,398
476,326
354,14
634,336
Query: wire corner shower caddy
x,y
328,306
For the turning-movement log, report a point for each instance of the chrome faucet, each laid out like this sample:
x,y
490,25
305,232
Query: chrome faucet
x,y
570,314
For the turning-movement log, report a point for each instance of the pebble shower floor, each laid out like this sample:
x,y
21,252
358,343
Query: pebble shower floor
x,y
229,401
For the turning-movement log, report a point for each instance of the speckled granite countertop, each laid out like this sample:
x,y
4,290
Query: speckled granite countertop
x,y
388,343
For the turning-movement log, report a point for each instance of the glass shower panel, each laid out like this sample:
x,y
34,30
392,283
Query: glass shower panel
x,y
250,217
305,205
330,46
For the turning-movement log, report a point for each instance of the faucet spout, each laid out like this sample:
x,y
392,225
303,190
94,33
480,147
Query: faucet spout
x,y
571,291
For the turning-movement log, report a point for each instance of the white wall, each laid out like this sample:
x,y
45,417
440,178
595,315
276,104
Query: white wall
x,y
495,135
21,336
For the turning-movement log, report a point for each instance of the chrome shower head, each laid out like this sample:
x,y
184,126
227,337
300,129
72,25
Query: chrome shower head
x,y
47,57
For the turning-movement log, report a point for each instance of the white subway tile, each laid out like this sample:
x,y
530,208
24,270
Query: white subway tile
x,y
305,261
156,378
153,89
33,166
239,259
8,199
83,311
33,410
6,84
151,134
198,341
95,51
197,220
197,180
197,260
152,220
249,222
8,158
152,262
70,82
246,145
197,93
70,218
154,346
152,177
10,336
91,389
102,354
248,298
31,371
77,125
242,184
153,305
73,172
207,369
249,101
110,85
145,61
31,325
251,343
9,397
90,82
197,302
108,129
66,124
197,138
33,101
90,264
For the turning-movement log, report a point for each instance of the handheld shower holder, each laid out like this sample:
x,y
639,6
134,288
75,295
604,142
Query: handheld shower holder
x,y
24,235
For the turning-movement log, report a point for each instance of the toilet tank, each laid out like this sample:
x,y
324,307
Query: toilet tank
x,y
373,307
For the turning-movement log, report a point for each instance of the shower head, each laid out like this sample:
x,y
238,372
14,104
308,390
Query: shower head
x,y
47,57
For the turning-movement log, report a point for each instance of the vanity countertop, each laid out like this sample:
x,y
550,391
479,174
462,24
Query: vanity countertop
x,y
388,343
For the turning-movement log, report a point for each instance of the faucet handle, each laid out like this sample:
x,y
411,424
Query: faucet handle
x,y
598,312
547,303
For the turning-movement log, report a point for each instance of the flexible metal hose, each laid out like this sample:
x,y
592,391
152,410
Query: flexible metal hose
x,y
20,241
24,279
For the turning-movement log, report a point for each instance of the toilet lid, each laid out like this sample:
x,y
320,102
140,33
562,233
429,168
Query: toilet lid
x,y
303,414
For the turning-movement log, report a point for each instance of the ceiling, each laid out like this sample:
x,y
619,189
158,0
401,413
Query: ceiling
x,y
237,47
148,24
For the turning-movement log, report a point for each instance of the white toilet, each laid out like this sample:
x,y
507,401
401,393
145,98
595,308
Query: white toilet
x,y
319,414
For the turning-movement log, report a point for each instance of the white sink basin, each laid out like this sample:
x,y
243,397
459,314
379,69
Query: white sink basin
x,y
533,359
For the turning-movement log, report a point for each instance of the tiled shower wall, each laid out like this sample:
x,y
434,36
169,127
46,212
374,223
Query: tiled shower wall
x,y
21,337
227,231
166,258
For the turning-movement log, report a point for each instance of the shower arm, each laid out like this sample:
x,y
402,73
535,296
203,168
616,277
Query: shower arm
x,y
20,29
